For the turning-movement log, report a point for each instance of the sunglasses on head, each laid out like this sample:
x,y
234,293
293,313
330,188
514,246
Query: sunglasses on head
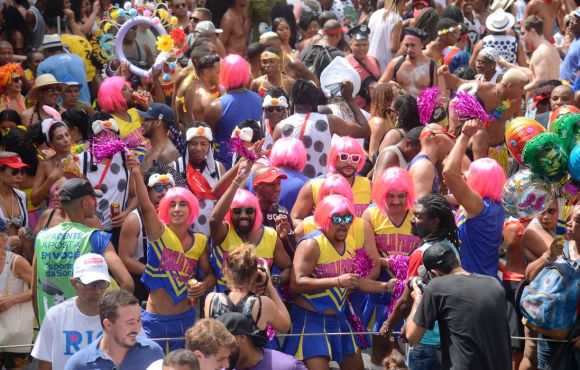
x,y
246,210
101,284
337,219
159,188
274,109
52,89
17,171
355,158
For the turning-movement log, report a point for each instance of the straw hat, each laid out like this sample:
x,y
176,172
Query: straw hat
x,y
40,82
500,21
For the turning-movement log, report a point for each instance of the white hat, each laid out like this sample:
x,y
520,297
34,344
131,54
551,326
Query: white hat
x,y
501,4
207,27
50,41
500,21
91,267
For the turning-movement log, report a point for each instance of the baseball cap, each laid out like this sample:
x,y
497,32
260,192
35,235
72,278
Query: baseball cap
x,y
91,267
13,161
207,27
269,176
437,255
77,188
239,324
159,111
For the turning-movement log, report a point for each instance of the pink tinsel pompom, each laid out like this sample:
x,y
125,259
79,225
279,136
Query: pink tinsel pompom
x,y
270,331
399,266
105,145
363,265
357,326
237,146
467,107
427,101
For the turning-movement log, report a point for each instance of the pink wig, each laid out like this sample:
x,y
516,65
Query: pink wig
x,y
345,144
486,178
244,198
234,72
330,206
181,194
288,152
335,184
110,97
394,179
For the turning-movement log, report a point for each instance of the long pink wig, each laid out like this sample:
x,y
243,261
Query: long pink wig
x,y
486,178
244,198
330,206
335,184
288,152
234,72
110,97
394,179
181,194
345,144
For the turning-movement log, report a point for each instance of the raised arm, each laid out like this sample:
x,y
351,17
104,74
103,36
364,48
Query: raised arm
x,y
359,128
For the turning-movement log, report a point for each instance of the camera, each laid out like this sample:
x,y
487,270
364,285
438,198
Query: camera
x,y
420,283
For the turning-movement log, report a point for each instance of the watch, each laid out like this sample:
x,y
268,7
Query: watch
x,y
276,280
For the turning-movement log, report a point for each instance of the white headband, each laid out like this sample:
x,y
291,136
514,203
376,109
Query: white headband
x,y
245,134
109,124
158,178
274,102
198,132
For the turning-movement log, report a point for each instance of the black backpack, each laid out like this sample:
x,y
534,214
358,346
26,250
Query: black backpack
x,y
317,57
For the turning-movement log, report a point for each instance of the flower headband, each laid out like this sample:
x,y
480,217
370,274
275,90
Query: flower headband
x,y
269,55
47,123
198,132
269,101
110,124
245,134
158,178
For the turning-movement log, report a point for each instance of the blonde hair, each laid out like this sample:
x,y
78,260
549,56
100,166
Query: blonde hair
x,y
514,75
208,336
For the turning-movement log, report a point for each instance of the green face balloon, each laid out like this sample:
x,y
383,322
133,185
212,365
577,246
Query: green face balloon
x,y
546,157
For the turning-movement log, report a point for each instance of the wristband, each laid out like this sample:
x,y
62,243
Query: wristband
x,y
339,284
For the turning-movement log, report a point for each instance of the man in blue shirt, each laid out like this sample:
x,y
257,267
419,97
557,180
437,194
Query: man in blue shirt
x,y
571,63
120,347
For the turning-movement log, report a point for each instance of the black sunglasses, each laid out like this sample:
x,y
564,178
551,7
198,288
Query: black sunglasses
x,y
17,79
179,6
195,19
17,171
51,89
274,109
246,210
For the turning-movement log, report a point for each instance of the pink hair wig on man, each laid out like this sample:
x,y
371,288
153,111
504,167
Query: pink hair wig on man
x,y
486,178
288,152
330,206
110,97
178,193
335,184
234,72
244,198
394,179
348,145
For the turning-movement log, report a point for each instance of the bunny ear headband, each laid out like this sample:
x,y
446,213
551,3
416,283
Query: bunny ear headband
x,y
245,134
47,123
110,124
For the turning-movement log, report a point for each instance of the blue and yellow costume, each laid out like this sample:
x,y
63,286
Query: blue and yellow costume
x,y
330,264
361,191
390,239
169,267
264,249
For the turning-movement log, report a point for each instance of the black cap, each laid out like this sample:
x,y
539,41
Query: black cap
x,y
414,135
360,32
414,31
159,111
240,324
437,255
77,188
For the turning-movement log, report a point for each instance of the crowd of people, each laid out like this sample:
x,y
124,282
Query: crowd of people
x,y
284,184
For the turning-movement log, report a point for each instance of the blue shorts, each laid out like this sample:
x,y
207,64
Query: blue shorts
x,y
333,347
374,313
174,326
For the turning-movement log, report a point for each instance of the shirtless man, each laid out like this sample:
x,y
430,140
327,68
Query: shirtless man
x,y
236,28
413,71
547,11
205,90
545,60
156,122
447,33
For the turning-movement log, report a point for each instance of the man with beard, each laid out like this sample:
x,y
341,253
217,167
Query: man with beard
x,y
120,346
72,325
236,219
413,71
156,121
432,222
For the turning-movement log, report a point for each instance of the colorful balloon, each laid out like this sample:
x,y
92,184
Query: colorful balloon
x,y
518,132
546,157
525,195
574,163
562,111
568,128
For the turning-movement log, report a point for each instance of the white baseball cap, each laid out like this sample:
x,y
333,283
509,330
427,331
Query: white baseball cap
x,y
91,267
207,27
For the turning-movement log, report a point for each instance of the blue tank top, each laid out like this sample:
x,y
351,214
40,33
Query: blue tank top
x,y
236,107
435,187
480,238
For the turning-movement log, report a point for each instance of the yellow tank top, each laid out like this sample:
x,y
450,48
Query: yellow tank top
x,y
264,249
82,47
390,238
29,206
357,230
330,263
361,191
126,127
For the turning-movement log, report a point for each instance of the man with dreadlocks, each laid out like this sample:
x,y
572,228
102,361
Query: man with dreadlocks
x,y
432,222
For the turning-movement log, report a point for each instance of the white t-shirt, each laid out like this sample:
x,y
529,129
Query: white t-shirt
x,y
380,36
65,331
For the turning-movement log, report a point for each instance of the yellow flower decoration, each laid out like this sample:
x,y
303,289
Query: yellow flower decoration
x,y
164,43
163,14
174,21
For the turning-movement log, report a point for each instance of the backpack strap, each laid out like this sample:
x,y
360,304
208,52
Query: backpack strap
x,y
432,68
143,233
85,163
398,66
259,298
